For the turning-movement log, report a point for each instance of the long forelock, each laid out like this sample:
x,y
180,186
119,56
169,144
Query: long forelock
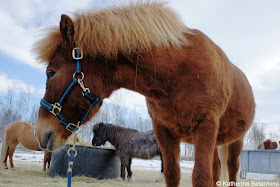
x,y
125,29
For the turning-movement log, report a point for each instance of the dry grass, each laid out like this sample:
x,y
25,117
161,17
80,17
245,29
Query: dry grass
x,y
29,174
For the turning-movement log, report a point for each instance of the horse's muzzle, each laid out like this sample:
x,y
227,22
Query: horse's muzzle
x,y
48,141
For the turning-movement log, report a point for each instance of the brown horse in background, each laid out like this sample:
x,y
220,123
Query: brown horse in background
x,y
268,144
20,132
193,92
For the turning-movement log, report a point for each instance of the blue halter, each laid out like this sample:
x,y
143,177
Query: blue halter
x,y
55,109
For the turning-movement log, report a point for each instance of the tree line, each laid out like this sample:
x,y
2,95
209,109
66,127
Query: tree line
x,y
24,106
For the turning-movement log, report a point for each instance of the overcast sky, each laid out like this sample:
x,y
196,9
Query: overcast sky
x,y
248,31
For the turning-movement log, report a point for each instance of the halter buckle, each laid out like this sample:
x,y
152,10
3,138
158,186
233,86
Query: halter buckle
x,y
74,126
54,107
74,54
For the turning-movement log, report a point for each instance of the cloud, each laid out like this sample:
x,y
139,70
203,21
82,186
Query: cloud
x,y
22,20
17,86
246,31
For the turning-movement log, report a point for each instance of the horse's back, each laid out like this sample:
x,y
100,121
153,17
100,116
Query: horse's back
x,y
143,145
19,127
15,129
22,132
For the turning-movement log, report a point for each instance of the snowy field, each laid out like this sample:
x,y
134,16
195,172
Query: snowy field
x,y
139,164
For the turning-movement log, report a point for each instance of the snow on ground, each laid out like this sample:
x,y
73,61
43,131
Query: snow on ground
x,y
186,166
155,165
29,156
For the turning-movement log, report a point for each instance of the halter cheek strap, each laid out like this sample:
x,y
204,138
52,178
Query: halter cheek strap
x,y
55,108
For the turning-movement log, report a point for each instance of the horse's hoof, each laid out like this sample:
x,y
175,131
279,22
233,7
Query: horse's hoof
x,y
160,177
121,179
130,179
6,167
13,169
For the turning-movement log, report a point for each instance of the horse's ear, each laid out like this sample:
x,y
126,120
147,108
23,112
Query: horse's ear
x,y
67,30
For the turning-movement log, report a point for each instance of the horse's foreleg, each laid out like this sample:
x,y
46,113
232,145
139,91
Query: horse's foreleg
x,y
234,150
170,148
6,160
129,172
49,159
11,153
122,177
216,167
205,136
162,167
45,160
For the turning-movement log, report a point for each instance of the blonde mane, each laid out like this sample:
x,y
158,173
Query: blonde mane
x,y
125,29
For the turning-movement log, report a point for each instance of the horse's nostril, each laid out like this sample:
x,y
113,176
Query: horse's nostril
x,y
43,146
47,141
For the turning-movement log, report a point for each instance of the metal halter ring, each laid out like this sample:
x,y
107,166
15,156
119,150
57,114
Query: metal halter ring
x,y
72,149
74,54
83,76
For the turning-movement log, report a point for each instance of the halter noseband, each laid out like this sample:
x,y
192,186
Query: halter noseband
x,y
55,109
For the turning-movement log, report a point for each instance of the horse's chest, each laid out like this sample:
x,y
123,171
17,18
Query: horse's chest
x,y
161,111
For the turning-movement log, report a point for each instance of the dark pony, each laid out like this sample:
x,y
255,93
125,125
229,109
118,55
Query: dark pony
x,y
21,132
193,92
129,143
268,144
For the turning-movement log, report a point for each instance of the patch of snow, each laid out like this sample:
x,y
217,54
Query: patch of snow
x,y
261,176
29,156
155,165
140,164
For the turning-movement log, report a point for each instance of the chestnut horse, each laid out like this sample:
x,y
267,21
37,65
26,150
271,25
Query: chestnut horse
x,y
193,92
268,144
20,132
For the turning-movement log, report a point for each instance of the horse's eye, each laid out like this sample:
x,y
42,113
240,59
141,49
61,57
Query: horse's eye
x,y
50,74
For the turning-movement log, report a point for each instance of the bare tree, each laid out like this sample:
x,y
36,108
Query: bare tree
x,y
118,110
187,151
254,136
33,114
9,112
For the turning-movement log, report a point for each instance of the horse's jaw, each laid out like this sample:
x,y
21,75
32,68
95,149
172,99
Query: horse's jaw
x,y
49,138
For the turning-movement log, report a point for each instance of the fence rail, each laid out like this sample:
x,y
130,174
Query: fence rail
x,y
260,161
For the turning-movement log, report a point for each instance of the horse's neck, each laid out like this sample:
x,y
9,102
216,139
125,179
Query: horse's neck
x,y
136,73
139,74
117,137
113,140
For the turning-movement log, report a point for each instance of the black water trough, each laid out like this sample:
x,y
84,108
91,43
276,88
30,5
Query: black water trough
x,y
93,162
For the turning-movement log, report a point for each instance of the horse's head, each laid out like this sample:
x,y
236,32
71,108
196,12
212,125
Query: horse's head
x,y
67,100
268,144
99,134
